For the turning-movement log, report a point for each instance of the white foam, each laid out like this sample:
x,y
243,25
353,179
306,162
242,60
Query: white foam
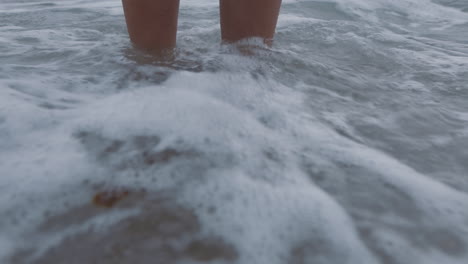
x,y
252,136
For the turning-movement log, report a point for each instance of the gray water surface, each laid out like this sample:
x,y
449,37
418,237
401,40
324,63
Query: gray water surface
x,y
346,142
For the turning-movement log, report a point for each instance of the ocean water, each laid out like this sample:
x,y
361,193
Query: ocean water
x,y
346,142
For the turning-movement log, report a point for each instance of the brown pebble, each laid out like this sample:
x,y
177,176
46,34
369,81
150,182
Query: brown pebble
x,y
109,198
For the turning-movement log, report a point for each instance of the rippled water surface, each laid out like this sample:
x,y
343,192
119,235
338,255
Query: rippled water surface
x,y
347,142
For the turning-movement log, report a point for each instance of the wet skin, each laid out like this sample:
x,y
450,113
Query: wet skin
x,y
152,24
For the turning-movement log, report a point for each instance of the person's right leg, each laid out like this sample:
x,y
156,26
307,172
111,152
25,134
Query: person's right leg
x,y
242,19
152,24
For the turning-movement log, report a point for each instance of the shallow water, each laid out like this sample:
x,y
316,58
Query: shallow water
x,y
347,142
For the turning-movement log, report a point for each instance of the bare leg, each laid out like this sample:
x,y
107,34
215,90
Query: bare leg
x,y
242,19
152,24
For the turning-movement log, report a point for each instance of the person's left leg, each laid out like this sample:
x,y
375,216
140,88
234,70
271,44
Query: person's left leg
x,y
152,24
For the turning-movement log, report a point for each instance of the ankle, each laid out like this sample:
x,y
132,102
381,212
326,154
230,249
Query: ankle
x,y
242,19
